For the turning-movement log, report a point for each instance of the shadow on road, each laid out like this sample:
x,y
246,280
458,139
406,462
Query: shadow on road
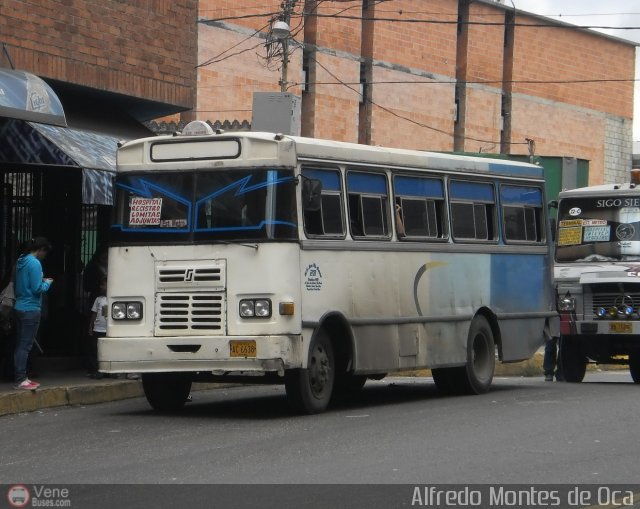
x,y
270,402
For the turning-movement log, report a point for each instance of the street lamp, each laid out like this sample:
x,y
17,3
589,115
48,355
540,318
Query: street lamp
x,y
281,31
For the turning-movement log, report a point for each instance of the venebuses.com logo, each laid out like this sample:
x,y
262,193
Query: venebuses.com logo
x,y
18,496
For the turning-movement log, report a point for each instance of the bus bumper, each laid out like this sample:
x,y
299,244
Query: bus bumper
x,y
199,354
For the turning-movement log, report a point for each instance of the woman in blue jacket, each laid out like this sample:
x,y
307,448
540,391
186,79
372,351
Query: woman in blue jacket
x,y
29,287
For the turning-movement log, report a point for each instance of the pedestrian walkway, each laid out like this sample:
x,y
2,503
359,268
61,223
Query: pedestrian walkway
x,y
69,387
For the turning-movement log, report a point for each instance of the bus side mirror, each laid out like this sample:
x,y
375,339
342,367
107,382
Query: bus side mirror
x,y
553,225
553,204
311,195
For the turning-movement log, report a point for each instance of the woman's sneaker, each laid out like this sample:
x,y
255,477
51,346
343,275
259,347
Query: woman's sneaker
x,y
28,385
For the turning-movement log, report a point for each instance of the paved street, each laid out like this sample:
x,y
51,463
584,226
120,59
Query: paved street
x,y
401,430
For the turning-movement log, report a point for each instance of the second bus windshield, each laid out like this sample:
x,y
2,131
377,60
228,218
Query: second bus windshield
x,y
598,229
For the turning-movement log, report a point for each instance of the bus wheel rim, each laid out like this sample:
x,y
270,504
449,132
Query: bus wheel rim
x,y
319,370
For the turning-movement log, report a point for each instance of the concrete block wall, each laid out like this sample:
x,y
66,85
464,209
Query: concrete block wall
x,y
571,118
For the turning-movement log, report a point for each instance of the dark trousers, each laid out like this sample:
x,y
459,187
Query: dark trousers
x,y
551,362
92,351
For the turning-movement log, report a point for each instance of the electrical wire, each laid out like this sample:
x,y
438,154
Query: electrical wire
x,y
397,115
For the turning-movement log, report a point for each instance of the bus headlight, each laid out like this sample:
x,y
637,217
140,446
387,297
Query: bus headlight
x,y
566,304
126,310
255,308
134,310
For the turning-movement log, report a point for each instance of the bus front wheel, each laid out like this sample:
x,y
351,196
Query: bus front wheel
x,y
309,390
166,392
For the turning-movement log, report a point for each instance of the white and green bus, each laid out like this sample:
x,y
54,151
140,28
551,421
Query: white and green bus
x,y
248,257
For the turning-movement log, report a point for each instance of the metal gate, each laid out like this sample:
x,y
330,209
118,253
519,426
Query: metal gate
x,y
21,194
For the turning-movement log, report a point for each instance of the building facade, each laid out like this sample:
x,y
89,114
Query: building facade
x,y
111,65
450,75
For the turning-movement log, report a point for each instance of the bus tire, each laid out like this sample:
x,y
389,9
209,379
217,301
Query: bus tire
x,y
309,390
476,375
481,358
166,392
573,361
634,367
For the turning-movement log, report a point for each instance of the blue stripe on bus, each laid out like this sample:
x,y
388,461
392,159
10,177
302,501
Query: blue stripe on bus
x,y
330,179
471,191
517,282
519,195
416,186
366,183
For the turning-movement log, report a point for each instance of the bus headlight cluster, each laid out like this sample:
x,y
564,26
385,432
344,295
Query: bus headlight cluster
x,y
617,313
126,310
566,304
255,308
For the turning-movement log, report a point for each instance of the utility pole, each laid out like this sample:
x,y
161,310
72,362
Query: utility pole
x,y
285,16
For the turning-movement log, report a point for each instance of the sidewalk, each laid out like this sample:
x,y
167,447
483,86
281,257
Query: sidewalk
x,y
69,387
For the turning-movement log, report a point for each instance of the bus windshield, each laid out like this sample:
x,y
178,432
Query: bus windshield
x,y
246,204
598,229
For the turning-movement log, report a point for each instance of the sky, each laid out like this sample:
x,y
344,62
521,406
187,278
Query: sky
x,y
615,13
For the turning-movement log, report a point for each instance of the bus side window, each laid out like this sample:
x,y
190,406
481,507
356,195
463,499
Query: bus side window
x,y
522,213
368,205
472,211
420,207
324,217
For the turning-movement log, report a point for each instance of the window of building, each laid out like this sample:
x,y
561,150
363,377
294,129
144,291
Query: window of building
x,y
419,207
368,205
472,211
325,218
522,216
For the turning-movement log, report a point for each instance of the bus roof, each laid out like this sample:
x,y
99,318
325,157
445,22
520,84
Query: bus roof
x,y
600,190
315,149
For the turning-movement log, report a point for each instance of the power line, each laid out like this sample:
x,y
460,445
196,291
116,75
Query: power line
x,y
217,58
397,115
428,21
457,82
479,82
478,23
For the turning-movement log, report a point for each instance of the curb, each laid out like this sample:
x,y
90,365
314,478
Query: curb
x,y
49,397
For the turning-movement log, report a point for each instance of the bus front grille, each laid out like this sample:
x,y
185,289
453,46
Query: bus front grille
x,y
602,296
190,313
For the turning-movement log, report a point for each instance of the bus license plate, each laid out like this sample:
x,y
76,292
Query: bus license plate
x,y
242,348
621,327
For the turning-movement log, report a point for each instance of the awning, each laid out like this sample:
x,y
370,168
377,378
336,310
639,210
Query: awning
x,y
27,97
40,144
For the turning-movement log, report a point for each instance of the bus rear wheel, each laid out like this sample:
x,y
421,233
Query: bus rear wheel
x,y
481,357
309,390
573,361
476,376
634,367
166,392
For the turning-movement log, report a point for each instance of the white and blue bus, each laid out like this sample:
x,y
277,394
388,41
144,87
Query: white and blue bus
x,y
248,256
